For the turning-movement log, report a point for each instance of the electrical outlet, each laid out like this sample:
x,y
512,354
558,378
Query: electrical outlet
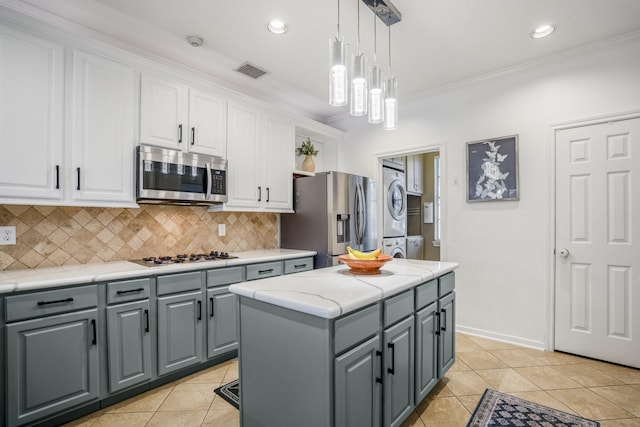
x,y
8,235
222,229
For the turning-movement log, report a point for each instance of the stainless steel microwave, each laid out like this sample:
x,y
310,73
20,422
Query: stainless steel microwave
x,y
167,176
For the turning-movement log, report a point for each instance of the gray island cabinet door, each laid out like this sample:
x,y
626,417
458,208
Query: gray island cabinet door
x,y
426,351
399,372
222,324
447,330
129,342
179,331
52,365
358,388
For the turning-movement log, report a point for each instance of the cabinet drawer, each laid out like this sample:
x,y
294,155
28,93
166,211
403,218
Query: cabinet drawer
x,y
46,303
298,265
128,290
398,307
446,284
426,293
173,283
225,276
356,327
264,269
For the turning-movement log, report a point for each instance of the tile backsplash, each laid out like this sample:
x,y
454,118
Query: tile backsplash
x,y
50,236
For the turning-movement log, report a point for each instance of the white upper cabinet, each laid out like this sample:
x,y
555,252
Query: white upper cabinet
x,y
173,115
414,174
102,130
31,118
260,151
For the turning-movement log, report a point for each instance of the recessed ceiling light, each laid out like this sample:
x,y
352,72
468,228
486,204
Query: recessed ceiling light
x,y
542,31
277,27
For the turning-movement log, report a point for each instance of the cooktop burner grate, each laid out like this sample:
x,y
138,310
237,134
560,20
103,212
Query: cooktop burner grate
x,y
183,258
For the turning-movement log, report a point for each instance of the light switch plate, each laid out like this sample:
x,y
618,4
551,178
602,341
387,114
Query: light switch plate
x,y
222,229
8,235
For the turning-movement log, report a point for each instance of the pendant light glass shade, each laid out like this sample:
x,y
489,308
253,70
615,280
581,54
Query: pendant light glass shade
x,y
359,90
338,83
390,104
375,96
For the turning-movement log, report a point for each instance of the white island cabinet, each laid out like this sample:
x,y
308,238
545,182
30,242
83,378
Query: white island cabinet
x,y
328,348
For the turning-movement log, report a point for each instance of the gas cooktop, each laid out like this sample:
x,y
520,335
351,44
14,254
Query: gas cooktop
x,y
183,259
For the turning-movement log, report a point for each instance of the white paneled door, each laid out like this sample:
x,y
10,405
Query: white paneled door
x,y
597,293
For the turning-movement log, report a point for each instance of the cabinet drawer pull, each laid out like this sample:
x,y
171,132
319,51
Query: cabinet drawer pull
x,y
78,173
379,379
259,194
146,320
437,314
57,177
179,134
59,301
199,310
211,305
392,369
268,194
300,266
193,136
269,270
130,291
444,321
94,341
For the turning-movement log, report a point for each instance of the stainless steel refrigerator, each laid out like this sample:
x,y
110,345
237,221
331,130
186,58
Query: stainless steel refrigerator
x,y
333,210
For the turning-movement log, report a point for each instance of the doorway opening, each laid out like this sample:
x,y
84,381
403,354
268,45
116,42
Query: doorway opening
x,y
422,237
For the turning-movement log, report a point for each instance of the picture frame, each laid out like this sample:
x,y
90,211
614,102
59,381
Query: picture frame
x,y
492,169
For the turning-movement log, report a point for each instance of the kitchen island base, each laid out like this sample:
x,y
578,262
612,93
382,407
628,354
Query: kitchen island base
x,y
370,366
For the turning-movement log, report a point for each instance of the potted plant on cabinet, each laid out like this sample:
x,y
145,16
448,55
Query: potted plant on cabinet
x,y
307,149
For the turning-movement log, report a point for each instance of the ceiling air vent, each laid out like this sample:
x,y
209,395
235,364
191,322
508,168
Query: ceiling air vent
x,y
251,70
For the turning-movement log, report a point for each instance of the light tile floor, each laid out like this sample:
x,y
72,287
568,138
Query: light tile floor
x,y
589,388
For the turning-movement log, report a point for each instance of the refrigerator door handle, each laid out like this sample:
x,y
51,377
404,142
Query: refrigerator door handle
x,y
362,213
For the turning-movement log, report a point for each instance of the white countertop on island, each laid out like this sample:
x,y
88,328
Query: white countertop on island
x,y
40,278
332,292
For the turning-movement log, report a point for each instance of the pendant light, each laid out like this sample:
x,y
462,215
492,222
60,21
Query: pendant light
x,y
390,96
375,83
358,79
338,85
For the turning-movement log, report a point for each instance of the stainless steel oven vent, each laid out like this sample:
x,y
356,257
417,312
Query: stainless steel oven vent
x,y
251,70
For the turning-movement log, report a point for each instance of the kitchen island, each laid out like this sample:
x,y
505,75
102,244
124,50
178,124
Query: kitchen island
x,y
328,348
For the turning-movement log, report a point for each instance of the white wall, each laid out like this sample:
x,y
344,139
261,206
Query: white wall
x,y
504,248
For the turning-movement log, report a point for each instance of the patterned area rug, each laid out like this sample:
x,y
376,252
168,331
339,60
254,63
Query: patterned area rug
x,y
230,392
499,409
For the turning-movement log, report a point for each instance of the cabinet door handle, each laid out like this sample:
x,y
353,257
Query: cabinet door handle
x,y
443,326
379,379
392,346
300,266
268,194
270,270
58,301
129,291
78,173
179,133
259,193
57,177
199,310
146,320
193,136
437,314
211,305
94,341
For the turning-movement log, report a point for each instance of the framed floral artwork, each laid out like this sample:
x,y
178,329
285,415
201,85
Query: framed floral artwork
x,y
492,169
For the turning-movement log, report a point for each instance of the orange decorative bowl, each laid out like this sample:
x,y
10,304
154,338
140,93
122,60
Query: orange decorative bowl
x,y
364,266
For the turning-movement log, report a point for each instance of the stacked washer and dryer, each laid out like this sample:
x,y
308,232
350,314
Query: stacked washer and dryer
x,y
394,214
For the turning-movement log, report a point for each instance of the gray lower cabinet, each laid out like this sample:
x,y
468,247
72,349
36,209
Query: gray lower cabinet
x,y
222,321
358,385
180,320
399,372
446,336
426,351
52,365
129,341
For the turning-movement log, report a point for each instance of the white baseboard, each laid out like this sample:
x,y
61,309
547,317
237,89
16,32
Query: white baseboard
x,y
537,345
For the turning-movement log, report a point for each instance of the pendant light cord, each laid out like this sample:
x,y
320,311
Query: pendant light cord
x,y
338,25
375,41
389,26
358,6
